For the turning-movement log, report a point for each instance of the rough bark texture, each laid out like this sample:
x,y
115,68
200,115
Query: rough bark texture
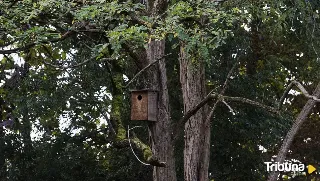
x,y
2,153
197,130
160,131
293,131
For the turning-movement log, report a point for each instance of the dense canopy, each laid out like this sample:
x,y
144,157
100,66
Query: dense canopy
x,y
235,79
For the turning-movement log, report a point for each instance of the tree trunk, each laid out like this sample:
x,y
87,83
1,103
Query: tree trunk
x,y
197,129
160,131
2,152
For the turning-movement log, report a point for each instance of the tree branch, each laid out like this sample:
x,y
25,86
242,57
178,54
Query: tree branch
x,y
251,102
179,126
17,50
145,68
63,67
230,108
139,145
224,87
139,56
8,44
212,96
301,88
30,45
147,153
70,66
294,129
209,97
140,21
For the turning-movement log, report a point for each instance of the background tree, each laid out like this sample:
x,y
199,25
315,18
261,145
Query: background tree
x,y
220,69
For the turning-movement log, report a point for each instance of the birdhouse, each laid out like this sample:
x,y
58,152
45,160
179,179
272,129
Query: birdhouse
x,y
144,105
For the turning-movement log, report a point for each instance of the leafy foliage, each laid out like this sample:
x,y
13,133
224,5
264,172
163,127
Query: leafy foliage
x,y
62,74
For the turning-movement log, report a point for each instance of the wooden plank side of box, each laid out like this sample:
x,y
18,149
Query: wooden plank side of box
x,y
139,105
152,106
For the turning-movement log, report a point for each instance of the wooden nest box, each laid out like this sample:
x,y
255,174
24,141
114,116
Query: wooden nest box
x,y
144,105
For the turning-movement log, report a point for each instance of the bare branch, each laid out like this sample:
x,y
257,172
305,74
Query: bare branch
x,y
284,95
301,88
228,77
132,148
145,149
251,102
202,103
221,98
294,129
224,87
230,108
190,113
305,92
145,68
50,64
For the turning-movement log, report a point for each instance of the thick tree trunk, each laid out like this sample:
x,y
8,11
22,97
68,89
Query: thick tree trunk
x,y
197,129
160,131
2,152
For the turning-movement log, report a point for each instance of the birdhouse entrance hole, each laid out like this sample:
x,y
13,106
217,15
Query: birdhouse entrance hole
x,y
144,105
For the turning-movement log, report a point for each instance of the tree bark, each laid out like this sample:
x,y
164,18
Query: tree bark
x,y
197,129
2,152
160,131
294,129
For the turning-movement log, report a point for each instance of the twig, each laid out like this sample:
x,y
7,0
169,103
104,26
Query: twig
x,y
312,37
230,108
146,67
16,50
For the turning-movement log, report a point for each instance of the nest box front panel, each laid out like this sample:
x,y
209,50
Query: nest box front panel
x,y
139,106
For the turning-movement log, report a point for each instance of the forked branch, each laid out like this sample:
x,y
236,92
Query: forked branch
x,y
295,128
301,88
213,96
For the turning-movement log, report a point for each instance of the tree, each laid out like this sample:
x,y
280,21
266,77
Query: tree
x,y
77,53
